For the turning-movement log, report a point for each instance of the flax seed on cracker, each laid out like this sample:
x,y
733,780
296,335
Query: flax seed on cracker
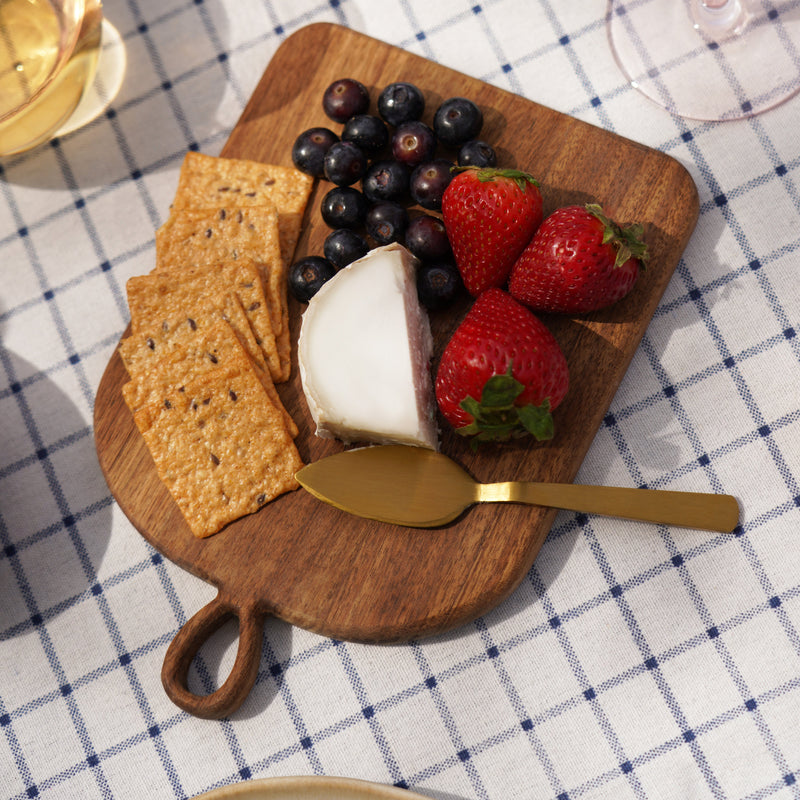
x,y
201,236
165,301
213,181
219,446
158,363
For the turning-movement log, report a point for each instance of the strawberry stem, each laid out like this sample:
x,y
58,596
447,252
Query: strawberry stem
x,y
496,418
485,174
626,241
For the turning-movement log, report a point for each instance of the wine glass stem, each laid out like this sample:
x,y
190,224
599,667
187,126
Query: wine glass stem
x,y
720,17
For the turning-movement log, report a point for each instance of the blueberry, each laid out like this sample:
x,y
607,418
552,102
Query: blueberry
x,y
344,98
386,222
345,163
428,182
457,120
344,246
385,180
426,238
476,153
307,276
413,142
343,207
368,132
401,102
309,149
438,284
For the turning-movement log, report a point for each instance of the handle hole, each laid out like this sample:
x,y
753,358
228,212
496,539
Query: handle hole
x,y
214,660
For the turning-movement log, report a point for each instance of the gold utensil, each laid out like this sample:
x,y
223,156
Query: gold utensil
x,y
420,488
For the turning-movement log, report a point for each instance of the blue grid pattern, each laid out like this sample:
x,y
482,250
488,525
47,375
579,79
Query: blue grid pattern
x,y
632,662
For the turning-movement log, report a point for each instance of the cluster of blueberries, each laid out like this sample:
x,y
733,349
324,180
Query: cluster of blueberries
x,y
394,156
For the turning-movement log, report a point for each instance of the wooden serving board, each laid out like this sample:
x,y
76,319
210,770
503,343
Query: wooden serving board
x,y
355,579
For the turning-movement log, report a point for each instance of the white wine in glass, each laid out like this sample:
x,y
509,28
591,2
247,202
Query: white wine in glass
x,y
708,59
48,55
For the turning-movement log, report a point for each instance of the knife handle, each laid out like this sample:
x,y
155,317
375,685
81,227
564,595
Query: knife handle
x,y
704,511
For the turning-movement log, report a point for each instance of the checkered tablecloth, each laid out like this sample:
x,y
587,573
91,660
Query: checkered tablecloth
x,y
632,662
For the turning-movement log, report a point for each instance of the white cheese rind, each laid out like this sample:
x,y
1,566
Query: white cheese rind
x,y
364,354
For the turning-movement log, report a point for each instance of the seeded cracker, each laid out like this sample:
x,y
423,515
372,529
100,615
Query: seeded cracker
x,y
209,181
220,447
159,363
204,236
160,302
212,182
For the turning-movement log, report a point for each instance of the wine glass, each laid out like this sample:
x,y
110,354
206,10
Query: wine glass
x,y
708,59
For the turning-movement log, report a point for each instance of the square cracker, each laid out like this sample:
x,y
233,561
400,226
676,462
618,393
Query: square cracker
x,y
220,447
233,290
214,181
202,236
159,363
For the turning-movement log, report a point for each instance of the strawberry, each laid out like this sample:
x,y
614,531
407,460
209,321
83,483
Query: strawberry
x,y
489,215
501,373
578,261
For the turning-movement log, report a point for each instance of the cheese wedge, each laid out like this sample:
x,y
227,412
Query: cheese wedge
x,y
364,353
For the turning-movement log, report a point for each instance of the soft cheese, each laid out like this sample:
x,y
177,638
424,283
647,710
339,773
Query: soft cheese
x,y
364,354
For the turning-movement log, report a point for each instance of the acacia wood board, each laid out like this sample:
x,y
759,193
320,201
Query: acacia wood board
x,y
317,567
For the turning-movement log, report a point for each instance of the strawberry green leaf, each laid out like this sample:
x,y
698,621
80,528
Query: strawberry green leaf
x,y
485,174
500,391
627,242
537,420
495,418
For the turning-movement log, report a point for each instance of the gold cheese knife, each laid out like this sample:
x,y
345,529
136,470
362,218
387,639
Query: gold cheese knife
x,y
420,488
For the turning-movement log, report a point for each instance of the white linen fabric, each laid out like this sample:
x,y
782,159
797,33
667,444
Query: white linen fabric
x,y
633,662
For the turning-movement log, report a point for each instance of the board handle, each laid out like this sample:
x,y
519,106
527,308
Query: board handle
x,y
187,643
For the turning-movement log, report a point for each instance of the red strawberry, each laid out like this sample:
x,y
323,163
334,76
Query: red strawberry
x,y
501,373
490,215
578,261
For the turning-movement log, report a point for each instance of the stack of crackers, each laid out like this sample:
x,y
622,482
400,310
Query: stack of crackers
x,y
210,339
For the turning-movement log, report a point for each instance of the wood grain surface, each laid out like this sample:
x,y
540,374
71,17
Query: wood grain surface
x,y
355,579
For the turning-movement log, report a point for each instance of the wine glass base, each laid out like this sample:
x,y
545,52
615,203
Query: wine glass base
x,y
703,74
111,64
